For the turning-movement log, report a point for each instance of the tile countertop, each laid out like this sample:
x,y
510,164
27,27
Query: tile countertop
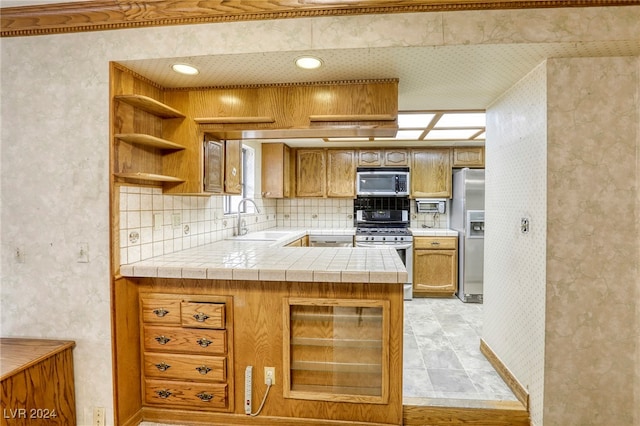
x,y
433,232
270,261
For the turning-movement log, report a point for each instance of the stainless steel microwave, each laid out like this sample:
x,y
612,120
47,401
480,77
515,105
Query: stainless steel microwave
x,y
382,182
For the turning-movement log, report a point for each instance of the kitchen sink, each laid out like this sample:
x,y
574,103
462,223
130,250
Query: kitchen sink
x,y
262,236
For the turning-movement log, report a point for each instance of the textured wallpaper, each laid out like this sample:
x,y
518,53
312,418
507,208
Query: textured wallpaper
x,y
592,269
54,104
515,262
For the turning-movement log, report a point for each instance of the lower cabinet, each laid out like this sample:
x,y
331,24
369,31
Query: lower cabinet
x,y
336,350
435,266
186,360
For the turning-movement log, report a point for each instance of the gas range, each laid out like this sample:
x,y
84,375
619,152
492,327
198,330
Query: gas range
x,y
384,235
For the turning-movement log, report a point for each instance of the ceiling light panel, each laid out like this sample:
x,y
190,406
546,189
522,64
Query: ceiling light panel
x,y
451,134
412,121
476,119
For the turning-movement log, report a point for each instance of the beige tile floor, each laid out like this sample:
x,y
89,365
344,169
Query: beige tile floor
x,y
442,356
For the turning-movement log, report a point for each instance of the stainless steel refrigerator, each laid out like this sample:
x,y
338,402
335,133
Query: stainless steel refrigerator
x,y
467,217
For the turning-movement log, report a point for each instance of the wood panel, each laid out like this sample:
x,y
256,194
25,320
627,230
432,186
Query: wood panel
x,y
341,173
126,350
233,167
470,156
486,413
311,176
276,170
258,342
116,14
37,382
431,173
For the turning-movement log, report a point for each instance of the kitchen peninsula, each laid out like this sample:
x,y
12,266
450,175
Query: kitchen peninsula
x,y
328,319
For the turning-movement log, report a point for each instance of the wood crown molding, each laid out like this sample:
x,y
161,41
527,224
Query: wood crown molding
x,y
99,15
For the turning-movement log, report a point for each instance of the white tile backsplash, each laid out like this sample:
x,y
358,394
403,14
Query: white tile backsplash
x,y
202,221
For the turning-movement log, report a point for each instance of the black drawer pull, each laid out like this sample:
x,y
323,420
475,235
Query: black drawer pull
x,y
162,340
204,342
164,393
203,369
201,317
163,366
206,397
160,312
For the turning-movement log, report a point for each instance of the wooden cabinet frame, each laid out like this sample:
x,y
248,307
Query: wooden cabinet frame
x,y
354,366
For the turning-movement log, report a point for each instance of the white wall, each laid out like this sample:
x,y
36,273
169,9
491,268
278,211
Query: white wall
x,y
515,263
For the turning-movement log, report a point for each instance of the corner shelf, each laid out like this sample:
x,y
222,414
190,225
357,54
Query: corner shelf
x,y
148,140
150,105
148,176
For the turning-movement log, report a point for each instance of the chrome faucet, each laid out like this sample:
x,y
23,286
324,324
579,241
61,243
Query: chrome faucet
x,y
239,229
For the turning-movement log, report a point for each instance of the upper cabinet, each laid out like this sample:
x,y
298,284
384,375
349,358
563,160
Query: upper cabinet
x,y
468,156
341,173
276,170
325,173
233,167
431,173
311,166
389,157
298,110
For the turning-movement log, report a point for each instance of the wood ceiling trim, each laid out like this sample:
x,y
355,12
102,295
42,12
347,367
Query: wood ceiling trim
x,y
99,15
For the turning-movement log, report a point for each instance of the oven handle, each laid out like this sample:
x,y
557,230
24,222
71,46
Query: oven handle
x,y
394,246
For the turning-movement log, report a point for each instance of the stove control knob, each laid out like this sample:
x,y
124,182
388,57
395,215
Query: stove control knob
x,y
384,238
396,238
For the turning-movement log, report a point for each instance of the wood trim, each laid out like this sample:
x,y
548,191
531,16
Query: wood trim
x,y
361,117
99,15
234,120
478,413
516,387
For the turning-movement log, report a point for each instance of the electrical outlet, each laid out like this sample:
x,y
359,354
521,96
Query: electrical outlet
x,y
270,373
99,416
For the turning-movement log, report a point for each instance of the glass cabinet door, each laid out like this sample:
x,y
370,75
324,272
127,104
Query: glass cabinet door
x,y
336,350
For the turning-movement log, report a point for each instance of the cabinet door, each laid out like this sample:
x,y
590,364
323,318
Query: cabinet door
x,y
311,168
341,173
276,170
431,173
233,167
369,157
396,157
214,165
435,272
470,156
337,350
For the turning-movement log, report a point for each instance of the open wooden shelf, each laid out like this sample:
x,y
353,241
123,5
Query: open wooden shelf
x,y
148,176
148,140
150,105
336,343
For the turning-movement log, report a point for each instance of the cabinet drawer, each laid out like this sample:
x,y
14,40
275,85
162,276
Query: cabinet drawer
x,y
196,395
176,339
436,243
203,315
161,311
185,367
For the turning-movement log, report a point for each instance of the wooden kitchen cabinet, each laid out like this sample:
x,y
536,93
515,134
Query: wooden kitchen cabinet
x,y
431,173
233,167
383,157
435,266
37,382
336,350
276,170
341,173
468,156
311,173
187,357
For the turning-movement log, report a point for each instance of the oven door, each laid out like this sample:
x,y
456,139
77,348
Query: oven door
x,y
405,251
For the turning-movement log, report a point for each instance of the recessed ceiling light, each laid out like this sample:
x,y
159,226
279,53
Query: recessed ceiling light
x,y
185,69
308,62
